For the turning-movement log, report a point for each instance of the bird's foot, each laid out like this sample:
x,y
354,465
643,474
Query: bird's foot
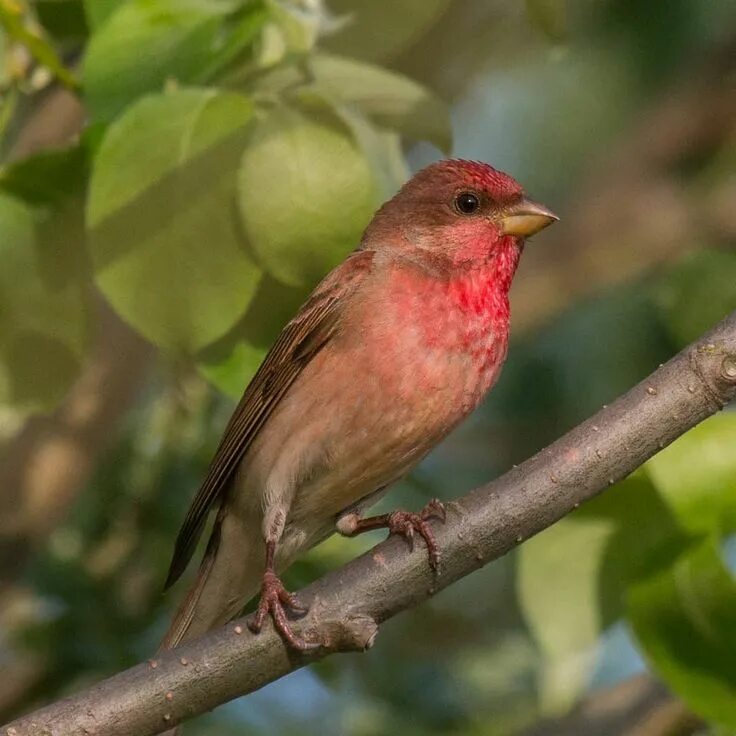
x,y
274,601
407,523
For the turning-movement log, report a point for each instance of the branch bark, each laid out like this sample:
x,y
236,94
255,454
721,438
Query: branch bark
x,y
348,604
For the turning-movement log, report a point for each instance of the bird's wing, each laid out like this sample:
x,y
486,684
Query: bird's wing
x,y
298,343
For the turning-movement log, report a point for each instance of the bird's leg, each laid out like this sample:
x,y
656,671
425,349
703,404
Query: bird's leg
x,y
405,523
274,601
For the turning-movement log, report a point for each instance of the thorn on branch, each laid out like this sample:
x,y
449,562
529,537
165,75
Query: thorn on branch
x,y
715,366
728,368
353,634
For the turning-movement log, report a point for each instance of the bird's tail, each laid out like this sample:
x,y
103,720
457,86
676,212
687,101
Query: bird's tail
x,y
228,577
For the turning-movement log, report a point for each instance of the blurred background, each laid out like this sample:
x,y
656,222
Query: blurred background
x,y
175,177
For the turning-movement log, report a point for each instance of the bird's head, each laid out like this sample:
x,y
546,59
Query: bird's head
x,y
458,212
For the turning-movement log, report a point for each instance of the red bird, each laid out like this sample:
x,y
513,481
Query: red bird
x,y
393,349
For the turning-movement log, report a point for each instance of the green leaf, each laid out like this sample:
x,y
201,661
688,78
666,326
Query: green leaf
x,y
232,361
172,39
11,18
696,476
165,242
233,370
381,148
64,20
389,99
306,192
685,621
98,11
557,576
557,587
550,16
43,324
48,177
571,578
8,103
238,33
291,32
380,29
696,293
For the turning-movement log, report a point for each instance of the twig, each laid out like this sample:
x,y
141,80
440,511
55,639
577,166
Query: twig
x,y
639,706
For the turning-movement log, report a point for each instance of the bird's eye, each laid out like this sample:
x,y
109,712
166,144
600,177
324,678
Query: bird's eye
x,y
467,203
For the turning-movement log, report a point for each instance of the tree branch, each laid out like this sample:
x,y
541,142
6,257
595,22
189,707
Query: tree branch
x,y
639,706
348,604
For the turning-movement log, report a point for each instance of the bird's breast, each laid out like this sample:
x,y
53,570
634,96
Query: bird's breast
x,y
443,337
418,358
412,360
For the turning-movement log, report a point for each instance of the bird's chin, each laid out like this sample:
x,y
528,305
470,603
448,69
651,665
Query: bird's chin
x,y
510,243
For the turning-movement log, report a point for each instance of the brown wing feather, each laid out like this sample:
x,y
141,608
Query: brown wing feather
x,y
298,343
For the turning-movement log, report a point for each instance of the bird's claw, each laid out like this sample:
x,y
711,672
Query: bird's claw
x,y
273,602
434,508
407,524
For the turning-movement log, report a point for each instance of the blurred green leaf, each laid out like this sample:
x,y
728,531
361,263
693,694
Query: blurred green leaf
x,y
696,293
232,361
557,583
173,40
238,32
62,19
232,371
557,587
165,243
291,32
389,99
8,104
48,177
550,16
306,192
381,148
43,324
696,476
98,11
5,71
572,578
12,19
380,29
685,621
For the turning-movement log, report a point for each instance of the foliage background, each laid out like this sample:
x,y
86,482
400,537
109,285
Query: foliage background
x,y
177,174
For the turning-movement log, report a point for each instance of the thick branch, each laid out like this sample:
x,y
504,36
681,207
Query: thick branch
x,y
348,604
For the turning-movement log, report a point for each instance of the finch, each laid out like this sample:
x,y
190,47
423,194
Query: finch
x,y
394,348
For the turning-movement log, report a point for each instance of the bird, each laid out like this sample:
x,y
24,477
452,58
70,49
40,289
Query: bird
x,y
389,353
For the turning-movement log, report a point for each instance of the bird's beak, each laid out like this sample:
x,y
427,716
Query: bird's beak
x,y
525,217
